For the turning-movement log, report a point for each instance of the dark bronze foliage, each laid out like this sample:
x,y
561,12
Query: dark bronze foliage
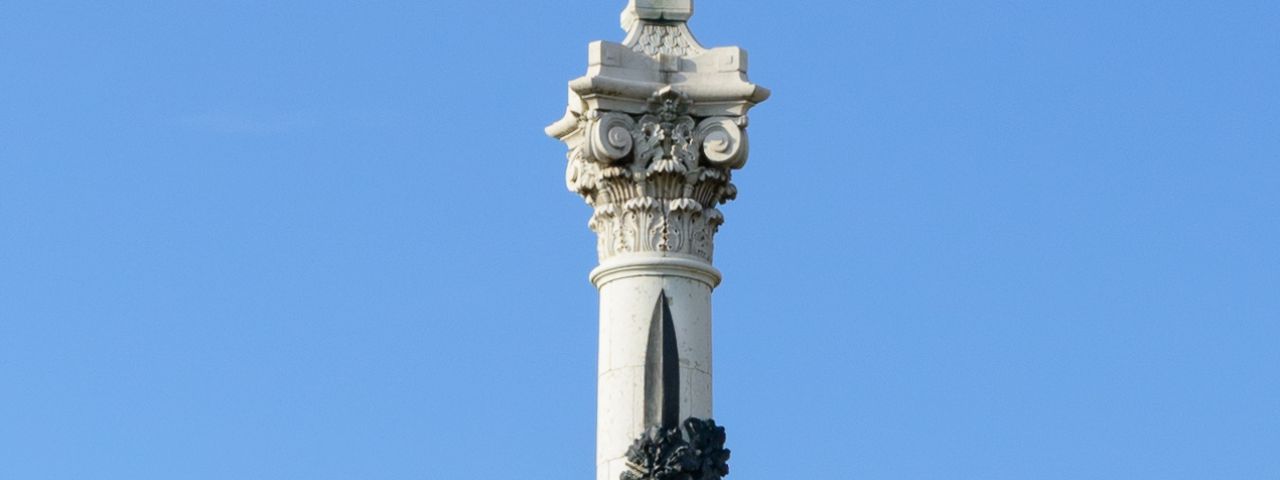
x,y
667,454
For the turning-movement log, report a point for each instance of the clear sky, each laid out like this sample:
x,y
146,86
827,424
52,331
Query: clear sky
x,y
316,240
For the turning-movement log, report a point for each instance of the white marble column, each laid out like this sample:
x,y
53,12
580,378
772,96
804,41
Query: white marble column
x,y
654,130
629,287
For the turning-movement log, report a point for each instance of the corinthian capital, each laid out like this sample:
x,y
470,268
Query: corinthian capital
x,y
655,129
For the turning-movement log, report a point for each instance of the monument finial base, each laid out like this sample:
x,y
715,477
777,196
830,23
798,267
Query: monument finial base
x,y
656,10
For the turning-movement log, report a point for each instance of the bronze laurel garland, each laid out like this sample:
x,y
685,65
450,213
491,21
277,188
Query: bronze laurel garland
x,y
665,454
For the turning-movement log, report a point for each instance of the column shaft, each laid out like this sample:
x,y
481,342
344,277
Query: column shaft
x,y
628,292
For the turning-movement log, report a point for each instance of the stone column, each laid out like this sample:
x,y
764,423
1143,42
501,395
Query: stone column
x,y
655,130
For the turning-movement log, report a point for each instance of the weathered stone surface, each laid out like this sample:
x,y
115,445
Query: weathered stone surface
x,y
656,10
655,130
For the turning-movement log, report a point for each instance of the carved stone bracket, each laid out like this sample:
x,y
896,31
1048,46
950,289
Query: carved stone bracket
x,y
668,454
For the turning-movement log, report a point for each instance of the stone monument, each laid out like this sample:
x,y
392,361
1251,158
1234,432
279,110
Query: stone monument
x,y
655,130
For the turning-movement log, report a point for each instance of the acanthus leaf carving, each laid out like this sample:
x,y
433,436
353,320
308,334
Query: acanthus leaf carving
x,y
655,177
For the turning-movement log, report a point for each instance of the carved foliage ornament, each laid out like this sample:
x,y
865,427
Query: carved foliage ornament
x,y
666,454
656,178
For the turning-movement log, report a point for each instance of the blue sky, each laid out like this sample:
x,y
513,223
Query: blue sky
x,y
329,240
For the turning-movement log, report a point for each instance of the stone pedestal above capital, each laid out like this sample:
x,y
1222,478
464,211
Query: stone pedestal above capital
x,y
656,11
